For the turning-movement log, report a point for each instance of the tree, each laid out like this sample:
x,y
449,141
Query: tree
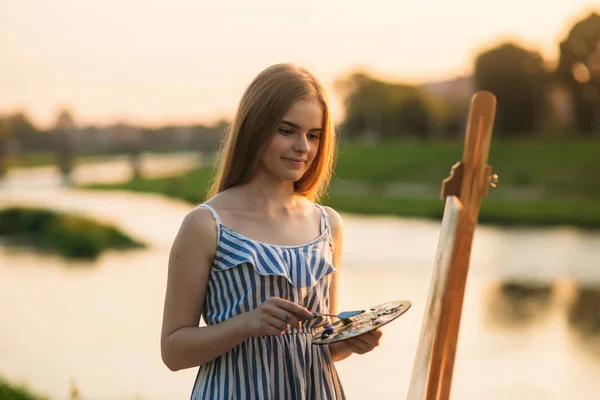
x,y
453,117
579,71
415,116
24,132
520,82
363,99
384,110
4,139
63,138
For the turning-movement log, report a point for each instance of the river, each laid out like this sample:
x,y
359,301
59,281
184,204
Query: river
x,y
97,324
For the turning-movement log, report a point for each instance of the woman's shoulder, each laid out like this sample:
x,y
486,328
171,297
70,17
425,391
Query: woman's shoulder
x,y
198,222
196,238
336,226
335,219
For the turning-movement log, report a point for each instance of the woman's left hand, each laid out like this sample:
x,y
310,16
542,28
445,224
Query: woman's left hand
x,y
364,343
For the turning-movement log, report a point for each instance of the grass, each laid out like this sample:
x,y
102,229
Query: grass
x,y
561,167
496,212
48,159
43,159
14,392
191,186
564,171
69,235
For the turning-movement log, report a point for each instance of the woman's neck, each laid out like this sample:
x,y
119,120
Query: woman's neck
x,y
271,197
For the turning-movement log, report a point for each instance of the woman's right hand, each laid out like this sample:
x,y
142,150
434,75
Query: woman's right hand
x,y
274,316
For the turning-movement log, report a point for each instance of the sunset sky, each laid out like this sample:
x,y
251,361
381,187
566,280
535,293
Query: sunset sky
x,y
182,61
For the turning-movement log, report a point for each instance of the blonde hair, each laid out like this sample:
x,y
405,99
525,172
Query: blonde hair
x,y
263,105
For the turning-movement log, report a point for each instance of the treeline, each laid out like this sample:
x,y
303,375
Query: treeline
x,y
533,97
19,134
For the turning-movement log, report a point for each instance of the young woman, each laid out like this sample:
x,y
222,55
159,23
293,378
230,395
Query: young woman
x,y
260,256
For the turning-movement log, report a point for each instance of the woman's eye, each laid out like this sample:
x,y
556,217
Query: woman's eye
x,y
286,131
314,136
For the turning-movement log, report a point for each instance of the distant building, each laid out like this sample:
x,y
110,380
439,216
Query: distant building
x,y
461,88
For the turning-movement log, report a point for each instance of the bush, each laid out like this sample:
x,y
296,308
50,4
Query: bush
x,y
12,392
69,235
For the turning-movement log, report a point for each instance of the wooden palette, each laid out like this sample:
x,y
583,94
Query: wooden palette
x,y
378,316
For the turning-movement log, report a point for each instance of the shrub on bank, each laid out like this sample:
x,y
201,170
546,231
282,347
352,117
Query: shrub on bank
x,y
70,235
13,392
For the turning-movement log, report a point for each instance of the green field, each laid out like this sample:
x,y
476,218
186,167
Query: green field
x,y
16,392
563,173
29,160
568,169
47,159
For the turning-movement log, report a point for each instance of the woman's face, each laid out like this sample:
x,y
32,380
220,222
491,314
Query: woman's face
x,y
295,142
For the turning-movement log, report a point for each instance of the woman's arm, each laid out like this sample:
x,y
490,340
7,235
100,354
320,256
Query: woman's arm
x,y
183,343
361,344
339,351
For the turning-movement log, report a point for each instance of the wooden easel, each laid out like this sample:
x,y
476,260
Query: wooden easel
x,y
469,181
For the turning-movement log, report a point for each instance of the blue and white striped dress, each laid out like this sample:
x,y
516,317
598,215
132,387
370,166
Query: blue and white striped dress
x,y
245,273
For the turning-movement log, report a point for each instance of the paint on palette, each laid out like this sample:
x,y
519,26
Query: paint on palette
x,y
344,329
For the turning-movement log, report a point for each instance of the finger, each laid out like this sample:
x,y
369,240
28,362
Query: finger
x,y
370,338
290,318
284,316
363,342
371,335
296,309
377,333
277,323
366,341
272,331
355,346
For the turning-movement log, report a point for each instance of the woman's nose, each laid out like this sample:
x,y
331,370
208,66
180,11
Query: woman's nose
x,y
301,144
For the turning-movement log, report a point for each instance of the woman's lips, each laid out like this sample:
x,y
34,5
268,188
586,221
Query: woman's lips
x,y
294,161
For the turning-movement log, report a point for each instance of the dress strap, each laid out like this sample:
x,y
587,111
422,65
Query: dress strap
x,y
324,219
215,215
325,227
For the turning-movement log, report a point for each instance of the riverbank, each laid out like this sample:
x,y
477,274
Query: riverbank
x,y
542,182
14,392
385,258
557,168
69,235
554,167
191,187
48,159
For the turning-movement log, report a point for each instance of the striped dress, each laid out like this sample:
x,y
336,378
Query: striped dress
x,y
245,273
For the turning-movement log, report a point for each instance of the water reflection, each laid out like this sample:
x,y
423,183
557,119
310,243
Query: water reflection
x,y
76,310
583,316
518,304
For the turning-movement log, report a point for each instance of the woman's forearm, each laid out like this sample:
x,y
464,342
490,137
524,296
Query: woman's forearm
x,y
339,351
194,346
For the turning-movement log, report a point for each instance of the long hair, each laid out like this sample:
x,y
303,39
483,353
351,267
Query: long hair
x,y
263,105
